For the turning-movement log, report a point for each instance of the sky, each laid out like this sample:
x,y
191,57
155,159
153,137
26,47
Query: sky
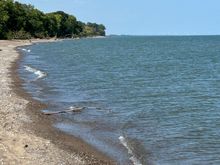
x,y
142,17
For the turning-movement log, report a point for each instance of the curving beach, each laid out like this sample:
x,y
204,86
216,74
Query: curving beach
x,y
26,136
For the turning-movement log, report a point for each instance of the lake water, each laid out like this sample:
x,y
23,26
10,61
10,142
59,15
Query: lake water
x,y
149,100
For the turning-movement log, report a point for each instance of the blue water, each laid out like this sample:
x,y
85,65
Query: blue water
x,y
149,100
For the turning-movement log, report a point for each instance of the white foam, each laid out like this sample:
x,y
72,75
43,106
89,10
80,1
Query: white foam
x,y
39,73
26,50
71,107
125,144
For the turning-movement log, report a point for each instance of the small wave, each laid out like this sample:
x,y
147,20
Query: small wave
x,y
130,152
39,73
26,50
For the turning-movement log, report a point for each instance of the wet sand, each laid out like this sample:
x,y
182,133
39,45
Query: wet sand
x,y
26,135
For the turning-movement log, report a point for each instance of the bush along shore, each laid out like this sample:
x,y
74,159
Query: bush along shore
x,y
21,21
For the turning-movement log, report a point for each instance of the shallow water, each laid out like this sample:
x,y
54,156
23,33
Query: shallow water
x,y
154,100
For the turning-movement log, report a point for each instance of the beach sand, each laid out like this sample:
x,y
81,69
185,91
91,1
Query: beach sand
x,y
26,135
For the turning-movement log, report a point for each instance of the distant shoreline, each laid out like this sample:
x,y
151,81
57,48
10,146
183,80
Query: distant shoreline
x,y
26,128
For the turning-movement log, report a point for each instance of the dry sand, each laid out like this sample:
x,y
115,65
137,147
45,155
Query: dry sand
x,y
26,136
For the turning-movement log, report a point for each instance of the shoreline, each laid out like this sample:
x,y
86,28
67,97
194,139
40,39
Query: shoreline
x,y
51,146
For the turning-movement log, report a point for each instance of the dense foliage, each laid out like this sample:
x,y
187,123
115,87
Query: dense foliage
x,y
21,21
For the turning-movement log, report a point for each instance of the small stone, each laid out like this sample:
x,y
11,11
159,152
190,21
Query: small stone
x,y
26,146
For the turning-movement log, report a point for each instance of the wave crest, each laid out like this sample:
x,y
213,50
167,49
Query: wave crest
x,y
26,50
130,152
40,74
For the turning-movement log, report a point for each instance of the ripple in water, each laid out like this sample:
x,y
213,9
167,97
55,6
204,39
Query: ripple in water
x,y
150,100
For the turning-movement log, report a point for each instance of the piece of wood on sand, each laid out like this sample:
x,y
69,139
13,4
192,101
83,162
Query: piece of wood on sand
x,y
72,109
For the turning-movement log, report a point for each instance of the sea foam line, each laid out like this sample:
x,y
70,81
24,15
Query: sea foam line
x,y
26,50
124,142
40,74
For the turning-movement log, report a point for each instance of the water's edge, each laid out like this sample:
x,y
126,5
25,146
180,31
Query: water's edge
x,y
44,126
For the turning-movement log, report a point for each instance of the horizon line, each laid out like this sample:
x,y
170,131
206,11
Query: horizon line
x,y
152,35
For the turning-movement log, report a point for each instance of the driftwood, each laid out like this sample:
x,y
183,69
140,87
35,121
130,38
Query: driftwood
x,y
72,109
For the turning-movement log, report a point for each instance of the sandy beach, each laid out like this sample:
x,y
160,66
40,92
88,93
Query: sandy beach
x,y
26,135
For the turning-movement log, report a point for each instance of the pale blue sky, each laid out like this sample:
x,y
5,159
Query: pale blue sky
x,y
142,17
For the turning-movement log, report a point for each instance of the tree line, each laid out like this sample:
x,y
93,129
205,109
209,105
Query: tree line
x,y
21,21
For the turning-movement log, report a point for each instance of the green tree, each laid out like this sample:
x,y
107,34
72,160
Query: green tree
x,y
34,23
24,21
3,19
51,24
